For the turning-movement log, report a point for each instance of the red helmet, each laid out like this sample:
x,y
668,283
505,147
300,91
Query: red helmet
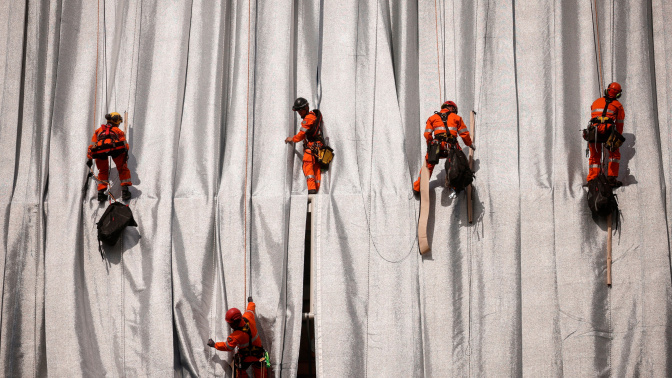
x,y
449,103
234,317
613,90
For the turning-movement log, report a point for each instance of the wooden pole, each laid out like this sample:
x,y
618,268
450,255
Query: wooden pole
x,y
609,223
470,205
125,123
423,243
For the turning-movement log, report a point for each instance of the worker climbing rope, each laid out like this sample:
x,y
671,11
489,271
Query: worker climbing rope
x,y
441,131
110,141
606,128
316,154
245,337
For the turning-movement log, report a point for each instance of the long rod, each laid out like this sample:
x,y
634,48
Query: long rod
x,y
470,205
609,223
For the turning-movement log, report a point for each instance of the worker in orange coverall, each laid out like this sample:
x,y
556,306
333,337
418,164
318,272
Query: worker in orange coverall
x,y
109,141
311,135
616,116
246,338
439,123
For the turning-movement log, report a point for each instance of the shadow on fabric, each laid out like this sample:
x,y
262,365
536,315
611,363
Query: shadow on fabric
x,y
627,153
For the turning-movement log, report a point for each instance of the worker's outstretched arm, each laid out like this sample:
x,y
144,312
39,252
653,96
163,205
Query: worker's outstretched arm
x,y
464,132
226,346
620,119
306,124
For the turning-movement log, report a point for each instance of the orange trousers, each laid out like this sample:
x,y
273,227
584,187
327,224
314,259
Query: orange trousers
x,y
594,161
430,167
613,161
104,170
312,170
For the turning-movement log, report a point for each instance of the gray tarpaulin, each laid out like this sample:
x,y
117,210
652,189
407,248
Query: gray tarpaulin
x,y
519,292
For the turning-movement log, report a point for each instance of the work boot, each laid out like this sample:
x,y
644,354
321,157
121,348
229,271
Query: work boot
x,y
102,196
125,193
312,191
612,180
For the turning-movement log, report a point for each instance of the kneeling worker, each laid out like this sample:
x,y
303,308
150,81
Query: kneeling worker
x,y
109,140
311,135
439,123
245,337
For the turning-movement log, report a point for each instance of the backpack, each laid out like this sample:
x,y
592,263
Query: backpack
x,y
115,219
458,173
601,197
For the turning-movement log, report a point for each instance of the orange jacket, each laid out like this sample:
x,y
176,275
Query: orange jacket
x,y
614,111
455,126
108,135
239,338
307,126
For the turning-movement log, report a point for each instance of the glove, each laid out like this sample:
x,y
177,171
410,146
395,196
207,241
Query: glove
x,y
473,147
249,299
289,140
89,163
88,153
211,343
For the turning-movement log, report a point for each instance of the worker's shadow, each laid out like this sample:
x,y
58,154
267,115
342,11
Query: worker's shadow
x,y
627,153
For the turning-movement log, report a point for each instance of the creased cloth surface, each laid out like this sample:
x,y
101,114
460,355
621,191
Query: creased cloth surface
x,y
520,292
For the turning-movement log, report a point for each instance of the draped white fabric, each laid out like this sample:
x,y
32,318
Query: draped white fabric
x,y
519,292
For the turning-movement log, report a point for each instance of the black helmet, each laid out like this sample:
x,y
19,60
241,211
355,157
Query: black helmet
x,y
300,103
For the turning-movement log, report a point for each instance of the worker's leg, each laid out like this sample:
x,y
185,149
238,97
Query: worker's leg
x,y
614,163
430,167
311,170
124,174
103,172
594,160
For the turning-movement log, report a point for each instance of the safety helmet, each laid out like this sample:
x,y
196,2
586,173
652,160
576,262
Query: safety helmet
x,y
449,103
300,103
114,117
613,90
234,317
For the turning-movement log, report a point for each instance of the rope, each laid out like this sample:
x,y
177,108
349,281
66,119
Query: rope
x,y
438,64
599,49
247,126
95,93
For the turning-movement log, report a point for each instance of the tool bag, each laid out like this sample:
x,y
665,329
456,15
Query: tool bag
x,y
115,219
434,152
323,153
601,197
458,173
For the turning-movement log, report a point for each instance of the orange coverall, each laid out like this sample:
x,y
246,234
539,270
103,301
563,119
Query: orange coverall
x,y
435,124
614,111
311,168
241,339
120,158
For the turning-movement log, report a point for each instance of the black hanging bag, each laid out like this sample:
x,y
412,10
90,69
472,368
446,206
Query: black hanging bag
x,y
458,173
115,219
601,197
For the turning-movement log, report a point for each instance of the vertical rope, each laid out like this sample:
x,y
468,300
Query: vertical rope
x,y
95,93
599,48
438,64
247,126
